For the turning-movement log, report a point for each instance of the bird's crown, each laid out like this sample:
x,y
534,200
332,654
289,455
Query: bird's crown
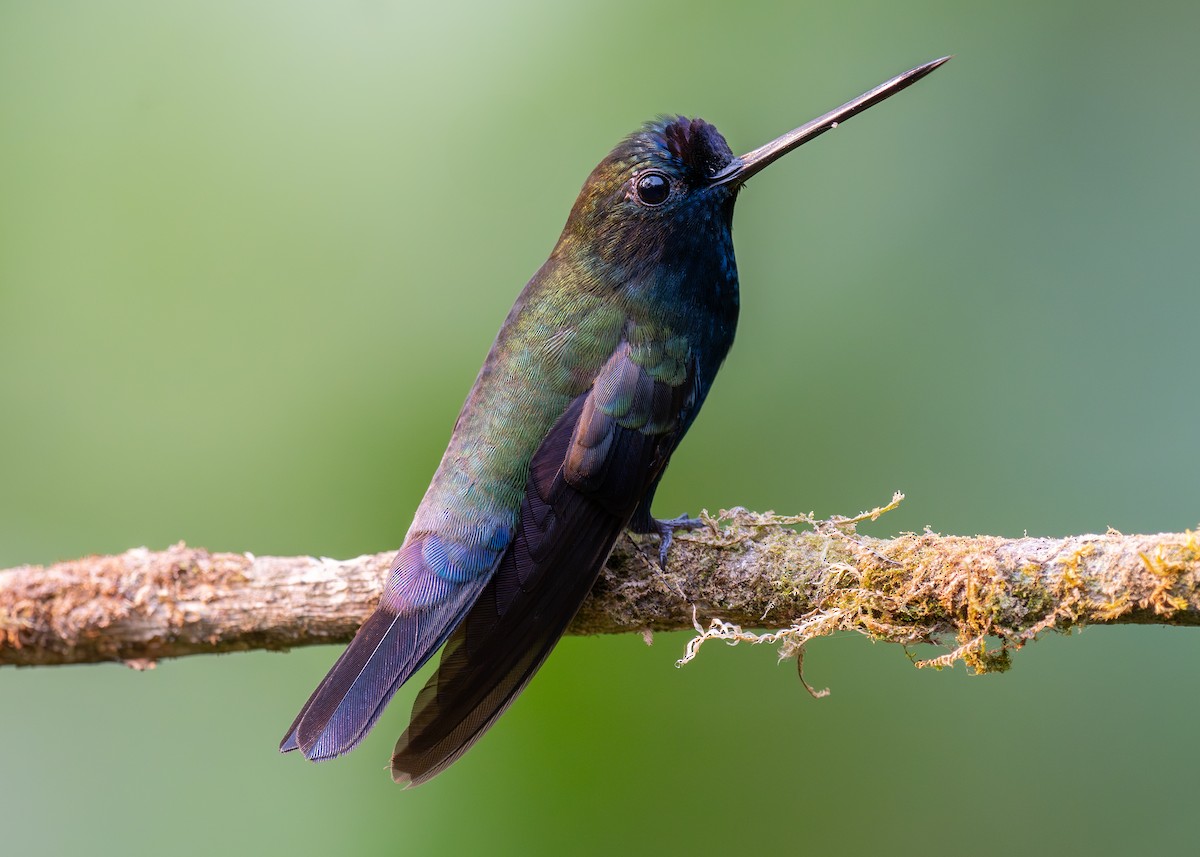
x,y
693,147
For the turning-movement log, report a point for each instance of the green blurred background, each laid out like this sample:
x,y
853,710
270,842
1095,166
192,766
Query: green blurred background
x,y
251,256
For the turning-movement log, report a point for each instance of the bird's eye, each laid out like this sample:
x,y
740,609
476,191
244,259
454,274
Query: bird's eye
x,y
652,188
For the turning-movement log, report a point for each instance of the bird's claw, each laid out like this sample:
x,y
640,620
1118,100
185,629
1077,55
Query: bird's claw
x,y
666,532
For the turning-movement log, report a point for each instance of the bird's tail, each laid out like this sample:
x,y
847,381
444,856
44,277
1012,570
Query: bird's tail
x,y
351,697
416,616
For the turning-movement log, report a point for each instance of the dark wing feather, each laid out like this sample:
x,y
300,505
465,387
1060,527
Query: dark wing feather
x,y
584,483
427,597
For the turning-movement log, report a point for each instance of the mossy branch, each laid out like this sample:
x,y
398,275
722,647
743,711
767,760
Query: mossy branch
x,y
739,569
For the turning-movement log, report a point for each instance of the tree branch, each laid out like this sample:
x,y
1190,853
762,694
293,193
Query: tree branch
x,y
742,569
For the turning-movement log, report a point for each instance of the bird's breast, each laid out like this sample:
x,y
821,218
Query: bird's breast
x,y
547,352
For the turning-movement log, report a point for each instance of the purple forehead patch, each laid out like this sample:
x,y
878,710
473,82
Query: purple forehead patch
x,y
692,144
696,144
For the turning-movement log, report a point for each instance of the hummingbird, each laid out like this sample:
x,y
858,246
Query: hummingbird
x,y
594,378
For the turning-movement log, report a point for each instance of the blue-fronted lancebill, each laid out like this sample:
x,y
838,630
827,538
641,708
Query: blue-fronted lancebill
x,y
595,376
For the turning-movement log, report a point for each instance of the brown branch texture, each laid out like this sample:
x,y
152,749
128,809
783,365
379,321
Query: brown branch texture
x,y
982,596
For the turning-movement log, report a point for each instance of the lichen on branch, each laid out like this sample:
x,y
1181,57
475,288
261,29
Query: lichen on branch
x,y
990,595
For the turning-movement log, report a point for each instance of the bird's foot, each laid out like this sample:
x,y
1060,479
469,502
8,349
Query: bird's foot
x,y
665,530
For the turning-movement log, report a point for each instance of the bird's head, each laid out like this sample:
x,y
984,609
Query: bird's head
x,y
666,192
654,190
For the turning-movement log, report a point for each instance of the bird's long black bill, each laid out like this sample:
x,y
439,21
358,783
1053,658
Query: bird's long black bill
x,y
752,162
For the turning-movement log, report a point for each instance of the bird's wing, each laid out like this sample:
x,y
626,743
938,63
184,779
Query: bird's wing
x,y
584,483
